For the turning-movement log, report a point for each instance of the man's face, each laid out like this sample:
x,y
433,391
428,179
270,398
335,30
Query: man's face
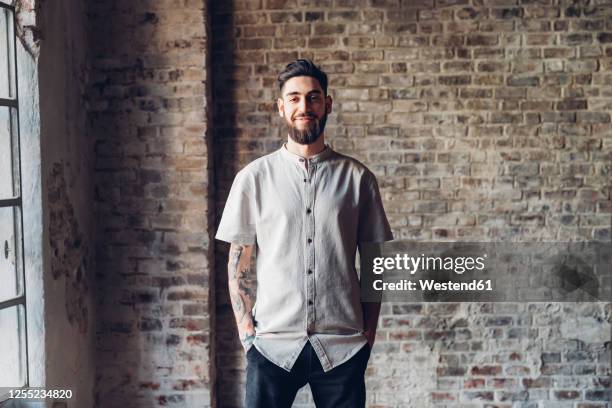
x,y
304,107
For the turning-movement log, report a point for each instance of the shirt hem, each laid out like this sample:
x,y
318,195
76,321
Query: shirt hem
x,y
349,356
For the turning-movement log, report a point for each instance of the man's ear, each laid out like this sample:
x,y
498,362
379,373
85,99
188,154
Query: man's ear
x,y
328,104
281,107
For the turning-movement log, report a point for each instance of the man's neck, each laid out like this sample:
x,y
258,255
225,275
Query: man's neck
x,y
306,151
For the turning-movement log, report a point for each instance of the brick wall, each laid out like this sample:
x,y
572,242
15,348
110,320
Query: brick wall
x,y
149,123
483,120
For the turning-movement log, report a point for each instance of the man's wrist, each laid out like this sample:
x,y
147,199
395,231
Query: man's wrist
x,y
370,336
247,340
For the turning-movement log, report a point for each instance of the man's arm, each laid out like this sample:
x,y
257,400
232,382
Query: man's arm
x,y
242,282
370,308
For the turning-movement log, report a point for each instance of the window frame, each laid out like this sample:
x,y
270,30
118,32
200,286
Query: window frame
x,y
16,201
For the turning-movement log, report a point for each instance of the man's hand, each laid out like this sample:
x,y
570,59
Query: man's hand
x,y
242,282
247,335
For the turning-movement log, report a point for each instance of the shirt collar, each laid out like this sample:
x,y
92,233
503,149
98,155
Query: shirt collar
x,y
297,159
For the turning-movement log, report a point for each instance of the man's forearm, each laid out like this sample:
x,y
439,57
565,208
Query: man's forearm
x,y
242,281
371,310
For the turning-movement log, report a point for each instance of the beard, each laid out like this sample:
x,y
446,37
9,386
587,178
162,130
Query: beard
x,y
310,134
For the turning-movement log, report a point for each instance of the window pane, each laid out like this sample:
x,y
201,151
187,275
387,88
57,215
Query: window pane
x,y
12,344
8,152
10,254
7,54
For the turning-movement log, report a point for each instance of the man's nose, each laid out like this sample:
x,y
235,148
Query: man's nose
x,y
304,106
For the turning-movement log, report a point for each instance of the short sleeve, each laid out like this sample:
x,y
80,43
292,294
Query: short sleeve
x,y
238,221
373,224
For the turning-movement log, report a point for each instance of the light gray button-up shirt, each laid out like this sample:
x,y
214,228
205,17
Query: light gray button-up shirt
x,y
306,218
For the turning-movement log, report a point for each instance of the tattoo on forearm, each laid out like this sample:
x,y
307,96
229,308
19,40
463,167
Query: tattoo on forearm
x,y
245,286
234,259
248,338
242,279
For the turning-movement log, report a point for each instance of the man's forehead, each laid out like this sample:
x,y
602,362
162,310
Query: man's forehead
x,y
301,85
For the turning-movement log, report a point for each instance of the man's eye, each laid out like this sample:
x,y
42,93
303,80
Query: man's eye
x,y
294,100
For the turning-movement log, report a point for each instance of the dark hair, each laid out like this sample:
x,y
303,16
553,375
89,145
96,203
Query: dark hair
x,y
302,67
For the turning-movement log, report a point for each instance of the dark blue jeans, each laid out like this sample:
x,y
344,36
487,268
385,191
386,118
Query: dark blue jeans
x,y
269,386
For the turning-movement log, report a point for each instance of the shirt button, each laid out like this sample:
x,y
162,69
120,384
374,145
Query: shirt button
x,y
310,271
309,240
305,180
310,302
302,160
308,211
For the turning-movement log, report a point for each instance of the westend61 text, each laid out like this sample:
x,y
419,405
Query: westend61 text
x,y
429,284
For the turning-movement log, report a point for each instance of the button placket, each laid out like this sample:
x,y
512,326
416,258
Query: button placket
x,y
310,248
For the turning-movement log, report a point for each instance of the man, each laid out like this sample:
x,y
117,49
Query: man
x,y
300,213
